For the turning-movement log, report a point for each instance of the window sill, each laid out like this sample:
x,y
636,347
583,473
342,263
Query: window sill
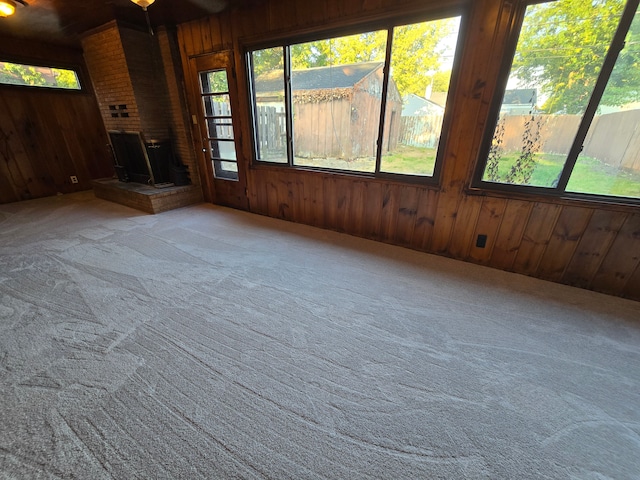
x,y
622,204
399,179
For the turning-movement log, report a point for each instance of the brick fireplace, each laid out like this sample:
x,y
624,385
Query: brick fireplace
x,y
137,82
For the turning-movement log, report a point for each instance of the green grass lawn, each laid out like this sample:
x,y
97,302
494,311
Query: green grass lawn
x,y
589,175
409,160
406,160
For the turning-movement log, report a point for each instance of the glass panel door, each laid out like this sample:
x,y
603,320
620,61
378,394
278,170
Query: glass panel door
x,y
216,103
223,166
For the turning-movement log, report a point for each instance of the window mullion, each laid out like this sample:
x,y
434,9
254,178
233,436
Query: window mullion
x,y
617,44
254,105
386,72
288,103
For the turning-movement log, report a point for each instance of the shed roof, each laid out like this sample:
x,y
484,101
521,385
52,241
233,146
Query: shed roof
x,y
520,96
415,105
340,76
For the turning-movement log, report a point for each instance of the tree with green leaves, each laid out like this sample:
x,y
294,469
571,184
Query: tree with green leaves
x,y
561,50
15,74
416,58
267,60
66,78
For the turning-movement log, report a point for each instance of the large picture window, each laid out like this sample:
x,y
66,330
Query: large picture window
x,y
569,117
373,102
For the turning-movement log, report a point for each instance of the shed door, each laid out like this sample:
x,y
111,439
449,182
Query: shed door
x,y
224,169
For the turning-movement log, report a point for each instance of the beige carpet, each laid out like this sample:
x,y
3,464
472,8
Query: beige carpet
x,y
210,343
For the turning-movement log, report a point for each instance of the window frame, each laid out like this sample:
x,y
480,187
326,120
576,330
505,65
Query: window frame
x,y
558,192
285,42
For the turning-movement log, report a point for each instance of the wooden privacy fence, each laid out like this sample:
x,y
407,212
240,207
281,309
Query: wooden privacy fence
x,y
613,139
218,128
423,131
272,138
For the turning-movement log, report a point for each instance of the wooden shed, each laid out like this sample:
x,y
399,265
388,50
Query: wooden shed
x,y
336,110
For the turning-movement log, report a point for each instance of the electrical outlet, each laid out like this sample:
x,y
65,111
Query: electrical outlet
x,y
74,179
481,241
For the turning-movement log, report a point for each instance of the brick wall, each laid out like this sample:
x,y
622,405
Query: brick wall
x,y
149,83
180,120
139,86
109,74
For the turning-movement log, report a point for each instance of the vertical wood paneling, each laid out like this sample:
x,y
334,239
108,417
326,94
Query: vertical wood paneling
x,y
593,247
509,236
406,216
622,259
372,210
632,289
465,226
536,237
273,204
282,12
251,22
205,32
489,220
215,33
186,47
346,9
569,228
444,222
330,203
371,5
313,13
226,30
14,182
356,216
285,195
197,29
67,119
487,35
258,198
47,143
425,219
342,204
314,202
389,213
34,164
45,137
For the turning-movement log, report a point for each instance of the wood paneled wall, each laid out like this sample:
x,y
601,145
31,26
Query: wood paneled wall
x,y
46,136
592,246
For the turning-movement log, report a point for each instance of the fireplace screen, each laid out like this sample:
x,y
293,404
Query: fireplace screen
x,y
136,161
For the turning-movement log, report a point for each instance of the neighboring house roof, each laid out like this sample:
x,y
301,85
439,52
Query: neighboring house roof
x,y
415,106
520,96
439,98
340,76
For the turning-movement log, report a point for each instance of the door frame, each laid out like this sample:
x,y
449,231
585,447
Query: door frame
x,y
221,191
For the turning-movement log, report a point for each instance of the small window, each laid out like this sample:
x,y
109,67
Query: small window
x,y
568,119
35,76
372,103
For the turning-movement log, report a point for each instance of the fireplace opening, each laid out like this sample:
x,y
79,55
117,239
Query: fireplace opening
x,y
150,163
